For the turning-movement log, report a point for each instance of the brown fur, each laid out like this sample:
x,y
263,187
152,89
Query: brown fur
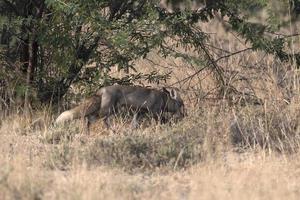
x,y
108,100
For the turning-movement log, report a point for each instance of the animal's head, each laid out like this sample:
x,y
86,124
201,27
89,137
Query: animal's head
x,y
176,104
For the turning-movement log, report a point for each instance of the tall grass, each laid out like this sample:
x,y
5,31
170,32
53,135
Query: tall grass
x,y
243,146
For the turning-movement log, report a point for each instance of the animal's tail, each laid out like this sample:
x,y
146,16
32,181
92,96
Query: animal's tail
x,y
65,116
88,107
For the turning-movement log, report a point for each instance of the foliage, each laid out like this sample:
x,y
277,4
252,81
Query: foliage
x,y
54,43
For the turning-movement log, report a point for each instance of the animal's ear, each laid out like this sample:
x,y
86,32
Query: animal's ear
x,y
173,94
165,90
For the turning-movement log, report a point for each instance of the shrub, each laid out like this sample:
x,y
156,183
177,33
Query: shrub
x,y
173,148
275,129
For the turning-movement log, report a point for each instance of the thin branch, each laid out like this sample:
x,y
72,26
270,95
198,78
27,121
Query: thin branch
x,y
232,54
189,77
217,48
283,36
213,63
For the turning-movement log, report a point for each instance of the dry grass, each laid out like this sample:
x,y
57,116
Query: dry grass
x,y
224,149
194,159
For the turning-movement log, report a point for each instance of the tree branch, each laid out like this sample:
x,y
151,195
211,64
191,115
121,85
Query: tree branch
x,y
232,54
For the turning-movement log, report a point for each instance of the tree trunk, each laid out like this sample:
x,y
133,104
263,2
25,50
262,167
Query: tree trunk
x,y
28,83
32,64
24,55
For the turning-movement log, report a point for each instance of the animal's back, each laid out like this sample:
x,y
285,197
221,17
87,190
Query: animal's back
x,y
132,96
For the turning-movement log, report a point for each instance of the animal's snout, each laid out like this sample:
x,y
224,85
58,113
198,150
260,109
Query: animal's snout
x,y
183,112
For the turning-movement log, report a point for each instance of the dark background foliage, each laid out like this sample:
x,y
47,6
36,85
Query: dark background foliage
x,y
46,45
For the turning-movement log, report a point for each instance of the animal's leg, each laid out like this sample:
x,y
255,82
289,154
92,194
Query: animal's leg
x,y
107,109
88,120
159,118
87,124
105,113
106,122
92,118
163,119
134,122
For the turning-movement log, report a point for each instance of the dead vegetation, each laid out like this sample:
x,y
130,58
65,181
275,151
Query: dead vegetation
x,y
242,145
